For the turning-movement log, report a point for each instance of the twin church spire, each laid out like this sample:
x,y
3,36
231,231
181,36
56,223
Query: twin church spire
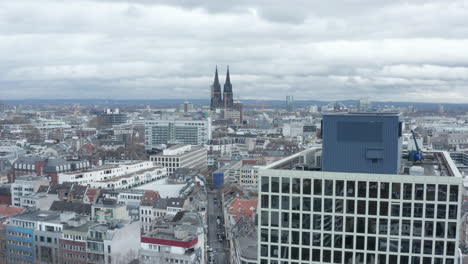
x,y
218,99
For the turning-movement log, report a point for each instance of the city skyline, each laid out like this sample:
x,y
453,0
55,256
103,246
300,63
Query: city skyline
x,y
156,49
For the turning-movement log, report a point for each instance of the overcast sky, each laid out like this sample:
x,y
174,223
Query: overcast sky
x,y
413,50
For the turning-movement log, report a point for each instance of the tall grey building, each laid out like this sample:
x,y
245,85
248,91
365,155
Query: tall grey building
x,y
192,132
309,215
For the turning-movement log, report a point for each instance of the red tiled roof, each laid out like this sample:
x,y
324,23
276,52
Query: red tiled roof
x,y
240,208
150,197
6,211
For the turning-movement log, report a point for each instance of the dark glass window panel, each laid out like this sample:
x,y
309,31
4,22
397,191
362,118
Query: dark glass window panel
x,y
440,229
360,242
419,192
296,185
395,211
274,251
415,260
383,226
441,211
384,190
317,225
361,207
430,192
372,207
359,257
396,190
383,244
306,186
296,203
285,237
383,208
305,253
296,219
339,188
418,210
371,243
439,248
407,191
327,223
338,223
328,206
451,230
264,250
327,256
394,227
349,242
373,189
452,211
416,248
317,187
285,202
382,259
337,257
427,260
305,238
427,247
348,257
275,184
405,227
295,253
417,228
338,241
295,237
264,218
371,258
350,188
265,201
428,229
329,187
349,224
274,236
362,189
274,202
306,204
264,235
316,255
285,252
327,240
453,193
393,246
429,211
274,219
285,222
265,182
442,192
350,206
339,205
317,205
317,240
361,225
406,210
285,186
450,251
306,221
405,245
371,225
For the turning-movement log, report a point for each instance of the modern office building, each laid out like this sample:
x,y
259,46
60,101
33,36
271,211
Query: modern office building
x,y
112,117
308,215
192,132
182,156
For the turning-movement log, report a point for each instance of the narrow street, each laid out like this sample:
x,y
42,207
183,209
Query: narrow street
x,y
215,210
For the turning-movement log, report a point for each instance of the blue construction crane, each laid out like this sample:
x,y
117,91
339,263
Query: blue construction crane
x,y
415,155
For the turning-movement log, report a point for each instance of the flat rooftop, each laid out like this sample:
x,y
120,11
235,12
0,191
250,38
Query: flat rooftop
x,y
434,163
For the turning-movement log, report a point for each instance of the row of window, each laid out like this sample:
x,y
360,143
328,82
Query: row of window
x,y
363,189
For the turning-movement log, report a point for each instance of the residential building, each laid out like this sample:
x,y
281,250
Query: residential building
x,y
5,213
25,185
248,177
182,156
193,132
363,216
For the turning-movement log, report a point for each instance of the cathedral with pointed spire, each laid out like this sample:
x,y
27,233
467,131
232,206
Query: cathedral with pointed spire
x,y
220,100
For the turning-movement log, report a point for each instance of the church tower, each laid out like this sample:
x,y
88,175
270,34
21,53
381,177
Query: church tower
x,y
216,100
228,98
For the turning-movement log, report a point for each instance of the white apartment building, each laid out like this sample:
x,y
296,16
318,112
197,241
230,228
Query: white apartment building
x,y
193,132
182,156
24,186
248,177
356,218
122,175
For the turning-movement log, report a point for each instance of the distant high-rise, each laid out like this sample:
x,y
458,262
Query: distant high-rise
x,y
224,100
289,103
